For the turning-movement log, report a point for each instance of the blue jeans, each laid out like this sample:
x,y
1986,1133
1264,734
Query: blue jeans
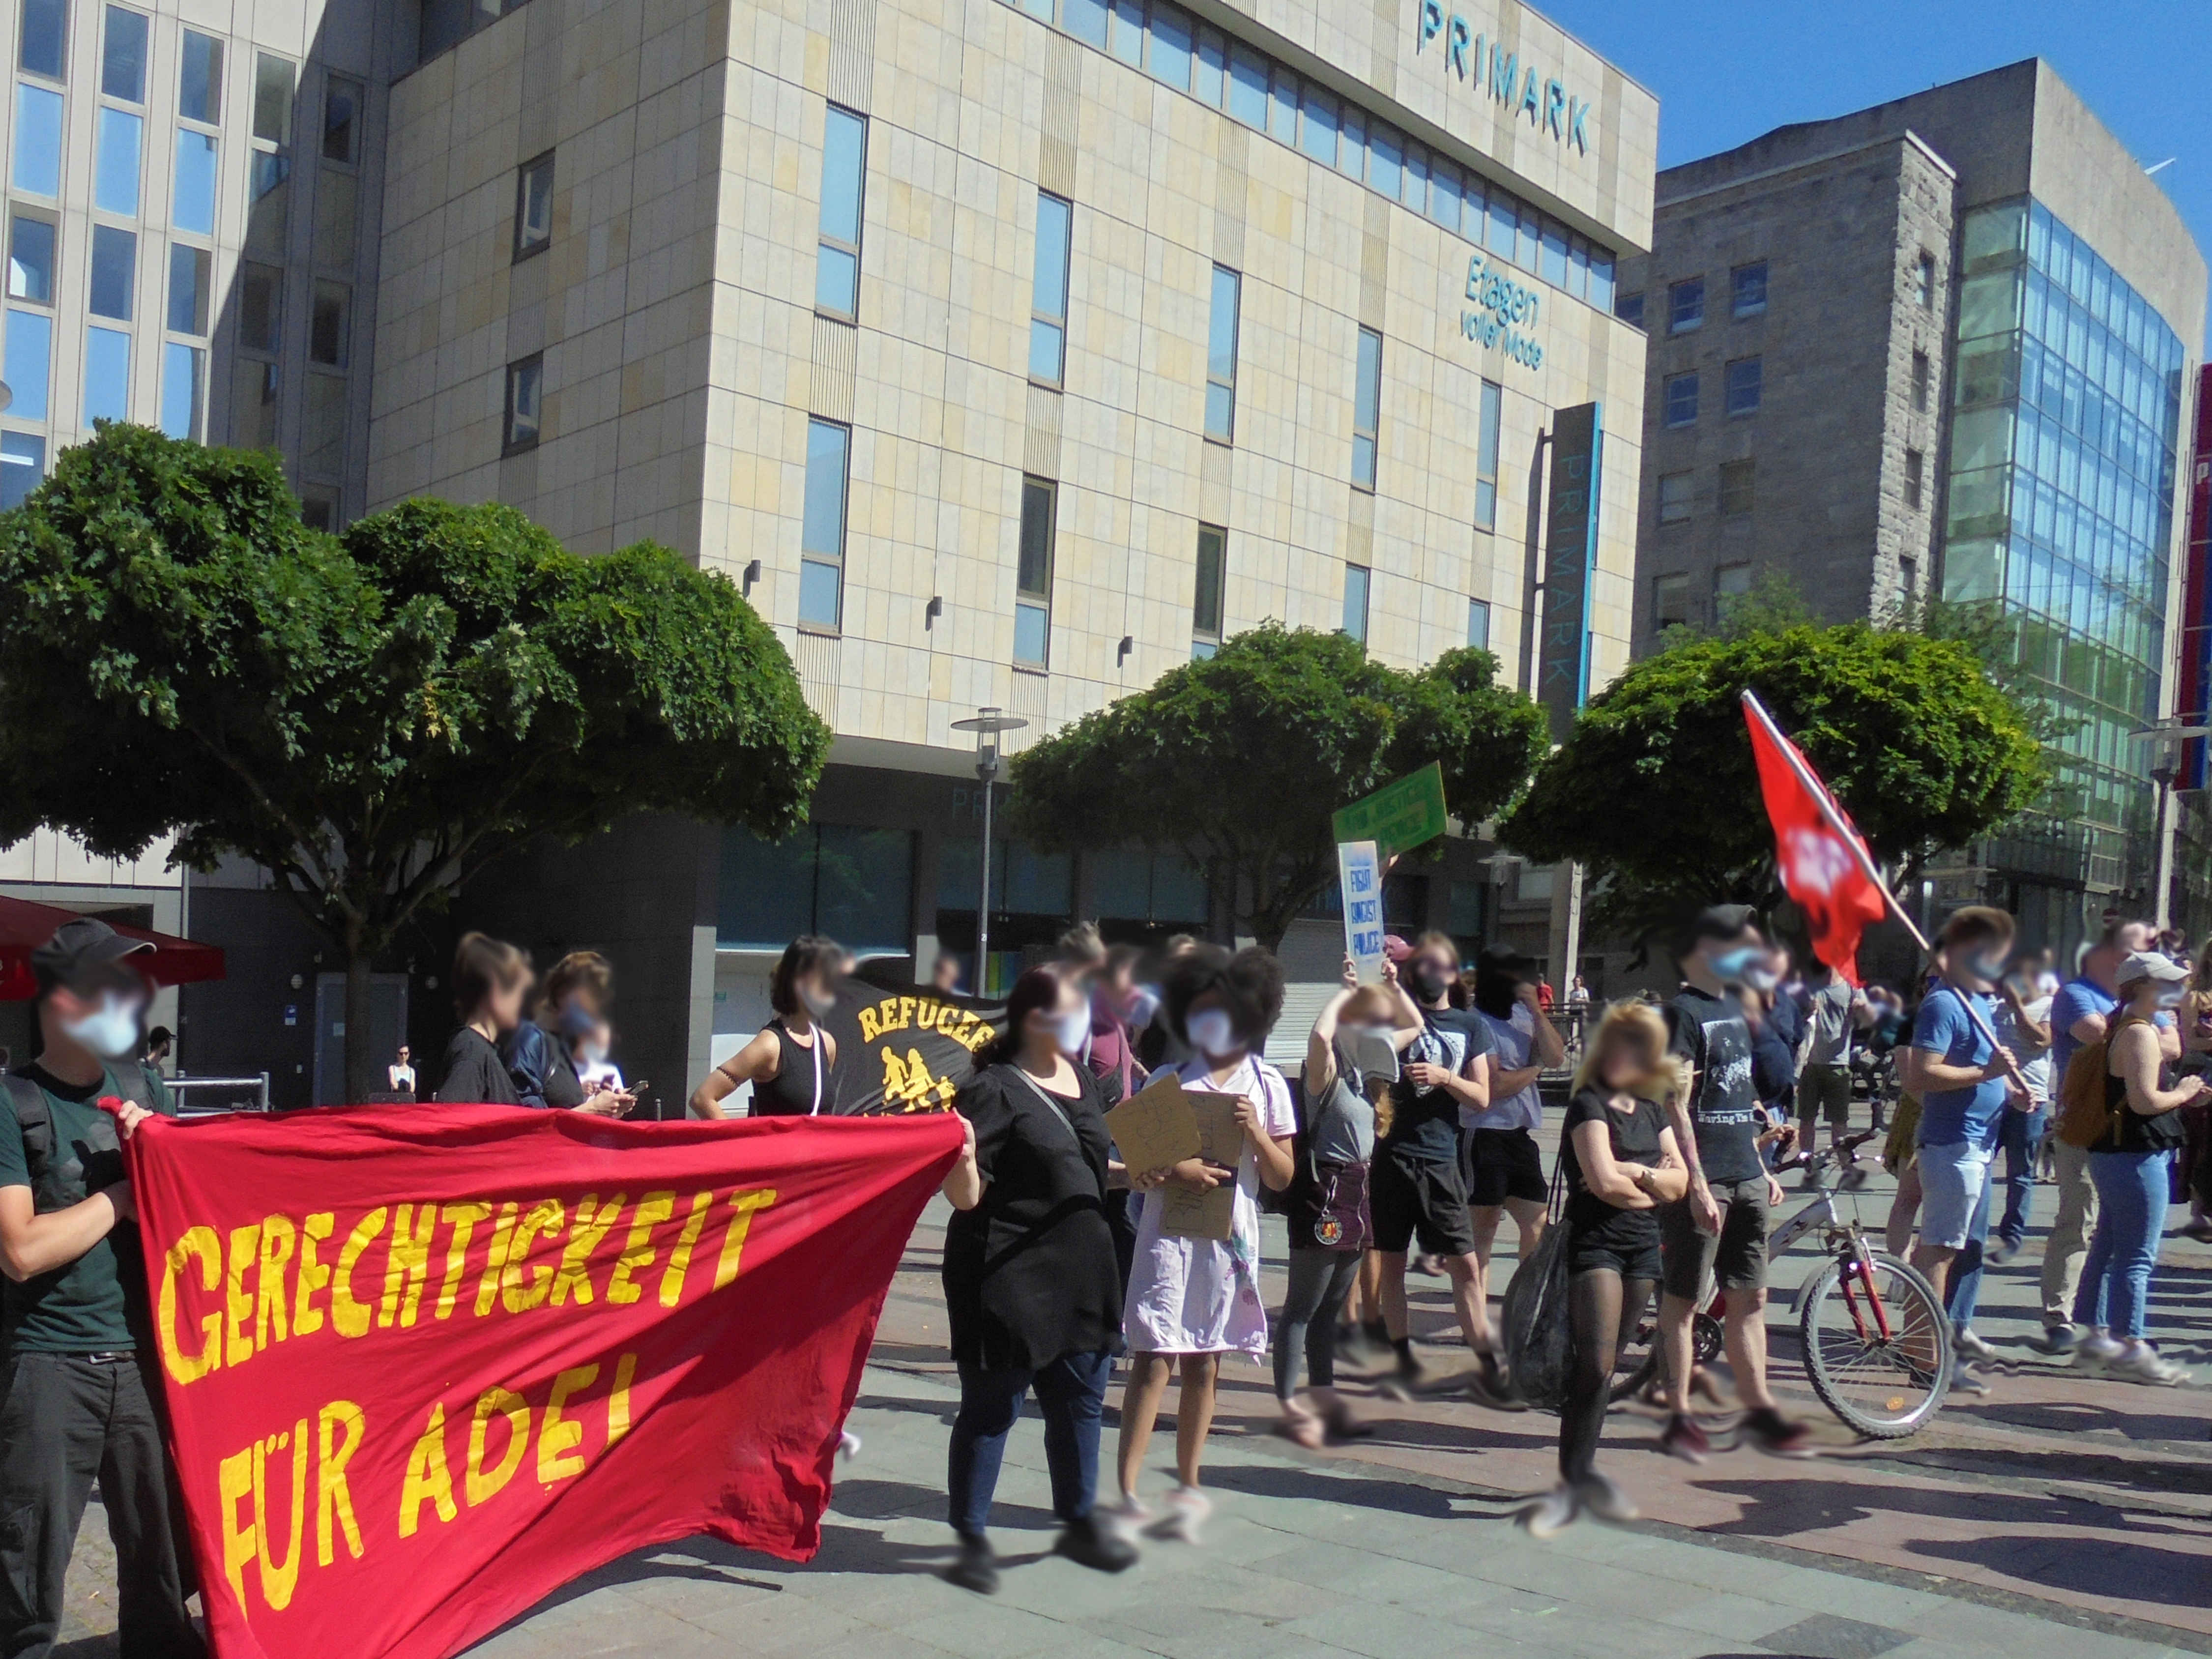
x,y
1963,1287
2132,1194
2020,1133
1070,1391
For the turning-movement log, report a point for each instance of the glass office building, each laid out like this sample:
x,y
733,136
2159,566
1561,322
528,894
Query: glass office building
x,y
2065,454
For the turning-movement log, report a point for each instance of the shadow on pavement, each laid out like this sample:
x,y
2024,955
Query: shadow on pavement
x,y
1398,1496
2085,1566
1781,1509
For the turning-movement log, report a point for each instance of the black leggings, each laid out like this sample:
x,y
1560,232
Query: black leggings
x,y
1606,1312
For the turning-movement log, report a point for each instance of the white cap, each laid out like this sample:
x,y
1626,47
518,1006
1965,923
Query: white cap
x,y
2149,964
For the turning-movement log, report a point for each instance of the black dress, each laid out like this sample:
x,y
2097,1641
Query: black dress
x,y
1030,1272
1598,1234
475,1073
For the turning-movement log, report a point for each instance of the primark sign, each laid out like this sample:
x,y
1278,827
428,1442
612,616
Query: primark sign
x,y
1542,100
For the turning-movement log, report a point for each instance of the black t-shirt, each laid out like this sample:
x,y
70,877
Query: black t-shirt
x,y
1030,1272
1424,1122
1709,1032
474,1074
1635,1139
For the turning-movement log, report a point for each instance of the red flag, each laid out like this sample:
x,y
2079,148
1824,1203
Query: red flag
x,y
424,1365
1826,874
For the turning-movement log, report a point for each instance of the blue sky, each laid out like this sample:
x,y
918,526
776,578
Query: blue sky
x,y
1727,72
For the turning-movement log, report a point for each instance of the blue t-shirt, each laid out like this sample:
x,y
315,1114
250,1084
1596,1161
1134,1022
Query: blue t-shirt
x,y
2076,998
1943,1028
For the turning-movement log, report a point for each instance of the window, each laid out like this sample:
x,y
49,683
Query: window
x,y
1908,575
1670,599
1922,378
1221,357
115,178
106,375
1745,377
1680,398
1318,137
850,883
533,206
38,141
30,351
1247,86
1085,20
1478,623
260,308
1366,405
272,99
1737,481
1675,496
31,260
342,106
1924,281
1629,307
822,530
1916,468
1357,578
1213,61
1731,581
199,82
46,33
844,164
1486,455
114,272
318,509
192,207
22,466
1170,46
1033,575
1686,306
184,390
123,56
1128,34
1048,291
1205,605
1748,289
253,394
1283,107
329,325
189,273
526,394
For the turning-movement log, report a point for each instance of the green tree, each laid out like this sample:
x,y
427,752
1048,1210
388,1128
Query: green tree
x,y
372,717
1655,789
1238,760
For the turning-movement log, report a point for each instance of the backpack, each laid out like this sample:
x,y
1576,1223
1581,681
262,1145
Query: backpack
x,y
2086,1115
35,1119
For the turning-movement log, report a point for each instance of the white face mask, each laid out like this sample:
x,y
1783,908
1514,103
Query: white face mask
x,y
818,1003
595,1053
2170,996
111,1032
1070,1030
1211,1033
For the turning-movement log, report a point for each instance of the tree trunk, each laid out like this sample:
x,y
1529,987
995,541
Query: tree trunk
x,y
363,1078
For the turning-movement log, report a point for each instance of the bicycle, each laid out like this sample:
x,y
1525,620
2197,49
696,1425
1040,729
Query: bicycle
x,y
1877,1342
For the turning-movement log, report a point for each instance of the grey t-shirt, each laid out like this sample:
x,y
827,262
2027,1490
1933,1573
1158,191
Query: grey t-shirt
x,y
1831,1023
1342,1126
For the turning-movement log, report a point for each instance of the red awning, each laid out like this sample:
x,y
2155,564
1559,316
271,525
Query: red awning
x,y
25,926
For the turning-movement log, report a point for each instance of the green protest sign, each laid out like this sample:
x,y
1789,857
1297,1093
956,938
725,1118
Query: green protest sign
x,y
1399,814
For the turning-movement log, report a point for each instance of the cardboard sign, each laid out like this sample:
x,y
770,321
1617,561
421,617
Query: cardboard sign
x,y
1360,880
1187,1212
1156,1127
1398,816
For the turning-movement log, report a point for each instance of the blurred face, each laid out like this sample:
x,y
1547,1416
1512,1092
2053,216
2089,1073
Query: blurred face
x,y
503,1003
1980,960
1429,972
402,1054
101,1014
1730,960
1211,1028
818,991
1062,1027
1626,1061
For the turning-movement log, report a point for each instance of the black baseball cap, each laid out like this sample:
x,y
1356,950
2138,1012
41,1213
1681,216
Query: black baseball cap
x,y
84,953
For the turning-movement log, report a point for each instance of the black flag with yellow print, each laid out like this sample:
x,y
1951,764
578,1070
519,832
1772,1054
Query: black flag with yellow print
x,y
902,1046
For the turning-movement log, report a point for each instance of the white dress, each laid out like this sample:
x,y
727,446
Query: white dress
x,y
1202,1295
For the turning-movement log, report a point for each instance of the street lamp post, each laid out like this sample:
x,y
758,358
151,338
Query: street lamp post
x,y
987,723
2168,734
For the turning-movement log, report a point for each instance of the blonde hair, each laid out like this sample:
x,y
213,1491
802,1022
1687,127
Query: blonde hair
x,y
1639,1023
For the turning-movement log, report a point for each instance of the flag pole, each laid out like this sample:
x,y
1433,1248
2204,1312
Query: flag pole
x,y
1849,837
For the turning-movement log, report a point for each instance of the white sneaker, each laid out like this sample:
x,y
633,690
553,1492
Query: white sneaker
x,y
1128,1515
1187,1510
2140,1362
2096,1352
1553,1512
1967,1342
848,1444
1603,1497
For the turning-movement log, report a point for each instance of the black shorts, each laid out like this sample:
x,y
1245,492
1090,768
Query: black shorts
x,y
1631,1258
1496,1164
1736,1257
1419,1200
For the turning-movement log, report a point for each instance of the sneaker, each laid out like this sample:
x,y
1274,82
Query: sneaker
x,y
977,1567
2096,1353
1554,1511
1428,1267
2060,1339
1599,1495
1101,1548
1686,1438
1486,1385
1188,1508
1343,1425
2000,1252
2140,1362
1128,1515
1966,1381
1405,1380
1969,1346
2199,1230
1853,1180
848,1444
1778,1436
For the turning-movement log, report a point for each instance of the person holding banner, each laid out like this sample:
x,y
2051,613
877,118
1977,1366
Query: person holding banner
x,y
793,1063
1192,1299
1031,1284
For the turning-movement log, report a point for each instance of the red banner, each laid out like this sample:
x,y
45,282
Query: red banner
x,y
424,1365
1822,871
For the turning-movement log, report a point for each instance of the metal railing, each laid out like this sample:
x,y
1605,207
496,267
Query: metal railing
x,y
223,1094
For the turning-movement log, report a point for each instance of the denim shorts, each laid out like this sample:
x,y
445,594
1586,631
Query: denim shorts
x,y
1951,1182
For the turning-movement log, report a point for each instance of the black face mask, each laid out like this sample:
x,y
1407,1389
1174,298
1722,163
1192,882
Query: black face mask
x,y
1428,981
1494,994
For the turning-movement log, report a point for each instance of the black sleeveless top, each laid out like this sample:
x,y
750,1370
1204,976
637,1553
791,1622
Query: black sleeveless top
x,y
2131,1131
793,1091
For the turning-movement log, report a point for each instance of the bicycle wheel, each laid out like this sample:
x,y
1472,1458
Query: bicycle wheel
x,y
1884,1385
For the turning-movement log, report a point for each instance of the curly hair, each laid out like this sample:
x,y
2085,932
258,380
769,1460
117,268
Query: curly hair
x,y
1248,983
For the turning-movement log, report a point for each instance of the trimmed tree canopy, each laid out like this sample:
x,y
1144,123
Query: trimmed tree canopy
x,y
372,717
1238,759
1656,786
